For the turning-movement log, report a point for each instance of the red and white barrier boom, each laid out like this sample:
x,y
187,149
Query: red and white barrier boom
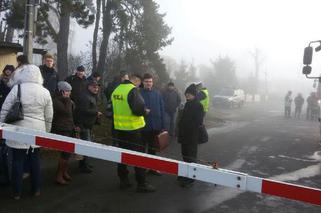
x,y
191,170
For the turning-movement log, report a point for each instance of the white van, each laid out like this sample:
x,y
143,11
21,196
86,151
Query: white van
x,y
229,97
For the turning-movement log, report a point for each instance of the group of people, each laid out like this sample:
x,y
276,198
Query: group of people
x,y
137,110
312,109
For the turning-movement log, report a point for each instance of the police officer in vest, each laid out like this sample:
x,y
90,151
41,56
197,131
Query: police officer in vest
x,y
128,114
203,96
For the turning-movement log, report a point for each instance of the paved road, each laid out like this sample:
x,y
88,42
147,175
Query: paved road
x,y
255,139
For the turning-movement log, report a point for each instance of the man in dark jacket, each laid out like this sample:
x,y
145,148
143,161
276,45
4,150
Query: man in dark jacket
x,y
86,116
78,83
189,127
129,109
123,75
94,77
155,118
49,74
298,101
172,100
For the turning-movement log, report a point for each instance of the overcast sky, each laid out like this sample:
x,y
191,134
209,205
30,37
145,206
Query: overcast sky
x,y
205,29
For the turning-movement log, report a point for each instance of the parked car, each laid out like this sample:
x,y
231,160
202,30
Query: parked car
x,y
229,97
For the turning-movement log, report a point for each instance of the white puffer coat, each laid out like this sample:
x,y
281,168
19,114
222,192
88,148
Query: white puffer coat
x,y
36,102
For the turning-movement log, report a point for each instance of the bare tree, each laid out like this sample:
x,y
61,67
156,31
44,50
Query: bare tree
x,y
258,58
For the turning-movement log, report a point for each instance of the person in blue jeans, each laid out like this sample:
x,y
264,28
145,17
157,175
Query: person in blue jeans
x,y
38,112
86,116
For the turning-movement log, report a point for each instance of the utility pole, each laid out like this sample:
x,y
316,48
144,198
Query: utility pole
x,y
29,27
266,87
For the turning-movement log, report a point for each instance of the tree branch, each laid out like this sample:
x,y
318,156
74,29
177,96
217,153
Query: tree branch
x,y
54,9
51,29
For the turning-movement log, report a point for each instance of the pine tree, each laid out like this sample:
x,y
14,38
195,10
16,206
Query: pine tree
x,y
54,21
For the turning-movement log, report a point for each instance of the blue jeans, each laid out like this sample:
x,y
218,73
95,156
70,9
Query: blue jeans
x,y
19,157
85,134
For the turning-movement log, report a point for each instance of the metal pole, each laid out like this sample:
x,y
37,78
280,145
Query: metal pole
x,y
28,34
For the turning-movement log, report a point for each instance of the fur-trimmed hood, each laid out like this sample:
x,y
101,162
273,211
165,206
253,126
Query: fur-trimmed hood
x,y
26,74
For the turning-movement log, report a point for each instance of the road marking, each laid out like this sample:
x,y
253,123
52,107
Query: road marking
x,y
265,139
315,157
230,126
220,195
307,172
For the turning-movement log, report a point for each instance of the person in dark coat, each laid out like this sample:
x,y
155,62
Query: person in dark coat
x,y
78,83
4,79
129,109
298,101
123,75
155,118
86,116
94,77
188,129
49,74
172,100
287,104
63,124
309,106
4,91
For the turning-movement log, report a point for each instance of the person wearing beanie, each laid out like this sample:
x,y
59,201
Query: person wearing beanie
x,y
189,128
4,79
78,82
63,124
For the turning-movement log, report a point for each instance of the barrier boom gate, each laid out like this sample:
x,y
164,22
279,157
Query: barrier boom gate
x,y
195,171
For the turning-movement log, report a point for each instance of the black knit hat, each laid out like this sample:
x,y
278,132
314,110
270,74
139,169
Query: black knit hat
x,y
170,84
191,89
9,67
92,83
81,68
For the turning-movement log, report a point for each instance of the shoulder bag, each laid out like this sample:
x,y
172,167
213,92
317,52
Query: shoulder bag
x,y
16,111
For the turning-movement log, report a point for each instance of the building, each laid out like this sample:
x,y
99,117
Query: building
x,y
9,52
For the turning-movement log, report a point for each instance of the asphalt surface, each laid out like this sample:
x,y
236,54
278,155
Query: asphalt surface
x,y
255,139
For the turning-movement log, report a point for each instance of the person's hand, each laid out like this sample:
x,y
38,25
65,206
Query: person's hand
x,y
77,129
147,111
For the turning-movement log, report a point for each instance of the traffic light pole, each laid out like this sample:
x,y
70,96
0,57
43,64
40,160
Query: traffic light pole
x,y
29,26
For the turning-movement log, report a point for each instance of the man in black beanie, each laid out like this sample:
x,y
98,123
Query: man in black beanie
x,y
188,129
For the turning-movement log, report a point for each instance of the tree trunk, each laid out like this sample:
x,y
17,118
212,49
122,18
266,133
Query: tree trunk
x,y
62,42
2,33
95,36
9,34
107,27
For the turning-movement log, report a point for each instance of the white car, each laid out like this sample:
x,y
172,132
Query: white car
x,y
229,97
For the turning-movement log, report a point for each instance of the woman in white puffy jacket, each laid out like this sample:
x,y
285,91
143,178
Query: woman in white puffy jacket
x,y
38,112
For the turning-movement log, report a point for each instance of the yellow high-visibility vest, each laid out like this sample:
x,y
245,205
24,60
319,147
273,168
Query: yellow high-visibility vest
x,y
124,119
206,101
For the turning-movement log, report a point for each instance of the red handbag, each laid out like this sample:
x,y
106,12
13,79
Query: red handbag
x,y
161,141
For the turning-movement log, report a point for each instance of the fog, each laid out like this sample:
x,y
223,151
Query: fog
x,y
206,29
